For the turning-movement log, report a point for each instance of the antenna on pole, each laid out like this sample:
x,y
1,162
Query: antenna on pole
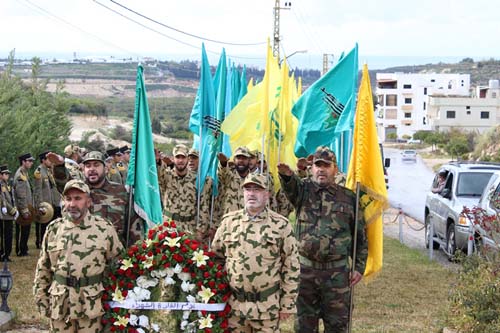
x,y
276,30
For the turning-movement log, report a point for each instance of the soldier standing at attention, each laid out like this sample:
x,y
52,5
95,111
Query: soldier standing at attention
x,y
24,201
113,171
324,229
45,191
110,200
193,160
8,214
76,252
260,254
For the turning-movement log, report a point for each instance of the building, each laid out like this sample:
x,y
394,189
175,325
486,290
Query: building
x,y
403,99
477,113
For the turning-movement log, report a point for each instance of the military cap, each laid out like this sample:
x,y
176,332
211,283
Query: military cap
x,y
324,154
254,153
125,149
26,157
77,184
94,156
193,152
113,151
258,179
4,169
43,155
180,150
109,158
71,149
242,151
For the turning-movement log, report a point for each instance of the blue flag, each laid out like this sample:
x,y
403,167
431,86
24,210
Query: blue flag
x,y
327,104
142,174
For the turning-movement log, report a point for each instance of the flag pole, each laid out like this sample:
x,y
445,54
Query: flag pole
x,y
354,246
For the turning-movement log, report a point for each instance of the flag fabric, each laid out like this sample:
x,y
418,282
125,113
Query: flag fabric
x,y
366,169
325,105
142,176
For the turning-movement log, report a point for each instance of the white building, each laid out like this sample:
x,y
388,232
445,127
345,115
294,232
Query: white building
x,y
477,113
403,99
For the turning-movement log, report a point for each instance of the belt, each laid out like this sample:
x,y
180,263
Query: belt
x,y
179,218
75,282
260,296
321,265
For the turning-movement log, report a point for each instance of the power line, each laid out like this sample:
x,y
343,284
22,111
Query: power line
x,y
184,32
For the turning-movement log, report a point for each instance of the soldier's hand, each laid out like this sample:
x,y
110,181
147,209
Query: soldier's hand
x,y
167,160
302,163
26,215
55,158
41,211
16,215
222,159
284,169
4,210
355,278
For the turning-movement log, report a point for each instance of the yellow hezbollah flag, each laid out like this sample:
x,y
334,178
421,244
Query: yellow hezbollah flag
x,y
366,168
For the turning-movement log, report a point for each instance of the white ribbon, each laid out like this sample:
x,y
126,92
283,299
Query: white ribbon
x,y
184,306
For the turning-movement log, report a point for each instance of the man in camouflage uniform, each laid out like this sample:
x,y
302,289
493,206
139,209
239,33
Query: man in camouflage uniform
x,y
8,214
260,253
45,191
110,200
193,160
76,252
180,198
73,158
324,230
113,173
24,201
123,164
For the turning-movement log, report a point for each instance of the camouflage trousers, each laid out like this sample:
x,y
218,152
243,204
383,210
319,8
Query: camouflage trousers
x,y
239,324
83,325
323,294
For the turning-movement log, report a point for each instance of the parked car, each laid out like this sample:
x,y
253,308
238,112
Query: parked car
x,y
414,141
490,204
409,155
464,185
386,163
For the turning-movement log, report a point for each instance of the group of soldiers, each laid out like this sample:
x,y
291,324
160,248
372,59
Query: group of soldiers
x,y
274,270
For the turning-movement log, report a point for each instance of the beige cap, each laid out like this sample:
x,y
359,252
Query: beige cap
x,y
77,184
71,149
94,156
242,151
258,179
180,150
324,154
193,152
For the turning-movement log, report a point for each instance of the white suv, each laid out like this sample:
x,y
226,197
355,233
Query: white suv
x,y
490,203
464,186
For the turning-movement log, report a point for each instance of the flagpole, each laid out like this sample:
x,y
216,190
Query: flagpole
x,y
198,174
354,246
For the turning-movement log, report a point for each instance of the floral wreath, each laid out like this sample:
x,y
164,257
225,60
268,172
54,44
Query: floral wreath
x,y
166,260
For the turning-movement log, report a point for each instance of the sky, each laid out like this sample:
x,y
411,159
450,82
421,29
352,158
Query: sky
x,y
383,29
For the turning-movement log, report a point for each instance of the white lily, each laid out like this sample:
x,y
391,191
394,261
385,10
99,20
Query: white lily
x,y
185,314
200,258
133,320
139,294
184,276
143,321
159,273
146,283
205,294
121,321
148,242
155,327
149,262
140,330
172,242
126,264
184,323
168,280
117,295
190,299
177,269
186,286
205,322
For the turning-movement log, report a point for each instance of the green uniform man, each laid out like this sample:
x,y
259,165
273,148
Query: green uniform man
x,y
8,214
23,193
260,254
75,254
113,173
324,230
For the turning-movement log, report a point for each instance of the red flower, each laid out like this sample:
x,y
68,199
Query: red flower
x,y
173,234
121,284
206,275
224,324
208,330
222,286
173,225
211,264
105,298
194,247
183,249
211,284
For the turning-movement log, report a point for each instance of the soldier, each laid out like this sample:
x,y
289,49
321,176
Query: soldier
x,y
260,253
110,200
193,160
45,191
73,155
123,164
113,173
24,201
8,214
180,198
253,164
76,252
324,229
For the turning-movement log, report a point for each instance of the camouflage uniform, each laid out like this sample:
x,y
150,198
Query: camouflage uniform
x,y
72,263
6,219
23,197
45,191
262,265
73,169
114,174
324,230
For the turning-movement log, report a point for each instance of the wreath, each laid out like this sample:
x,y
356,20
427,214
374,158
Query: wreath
x,y
166,266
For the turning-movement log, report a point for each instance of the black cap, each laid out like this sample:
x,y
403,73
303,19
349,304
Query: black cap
x,y
26,157
113,151
43,155
4,169
124,149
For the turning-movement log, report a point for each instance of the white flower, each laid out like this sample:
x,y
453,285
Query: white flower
x,y
121,321
177,269
159,273
185,314
200,258
170,272
133,320
139,294
187,287
184,276
117,295
148,242
155,327
149,262
205,322
205,294
191,299
172,242
168,280
143,321
140,330
184,323
146,283
126,264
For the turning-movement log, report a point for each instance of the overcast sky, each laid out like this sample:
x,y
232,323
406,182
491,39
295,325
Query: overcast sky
x,y
432,28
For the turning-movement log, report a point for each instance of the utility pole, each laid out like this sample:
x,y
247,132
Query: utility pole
x,y
326,67
276,30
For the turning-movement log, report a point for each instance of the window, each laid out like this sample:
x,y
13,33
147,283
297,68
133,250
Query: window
x,y
485,115
391,100
467,107
468,112
425,91
406,86
425,105
493,95
433,80
391,114
407,114
407,100
450,114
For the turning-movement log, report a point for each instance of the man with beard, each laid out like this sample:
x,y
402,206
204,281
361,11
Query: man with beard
x,y
76,251
325,230
110,200
193,160
180,196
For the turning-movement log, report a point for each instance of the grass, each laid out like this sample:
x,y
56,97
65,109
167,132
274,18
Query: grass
x,y
409,295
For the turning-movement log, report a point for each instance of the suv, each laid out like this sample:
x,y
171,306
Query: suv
x,y
463,186
409,155
490,203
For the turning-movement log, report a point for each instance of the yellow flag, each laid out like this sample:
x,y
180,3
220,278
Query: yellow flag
x,y
366,168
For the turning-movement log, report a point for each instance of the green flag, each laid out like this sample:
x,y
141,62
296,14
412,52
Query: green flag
x,y
142,174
